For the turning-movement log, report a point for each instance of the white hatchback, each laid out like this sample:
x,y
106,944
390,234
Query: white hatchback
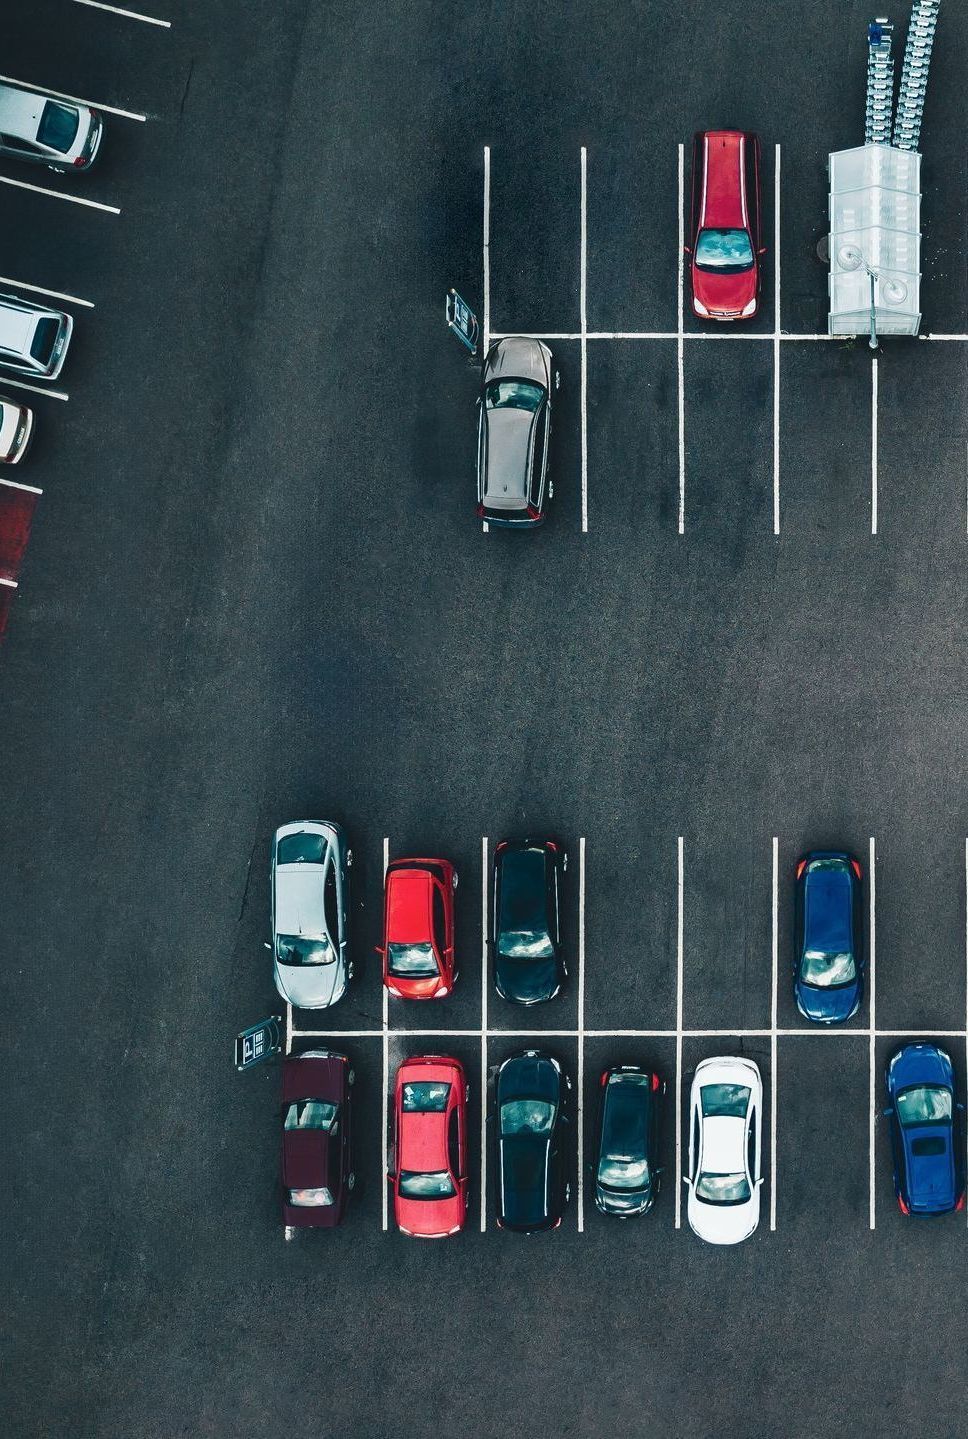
x,y
725,1150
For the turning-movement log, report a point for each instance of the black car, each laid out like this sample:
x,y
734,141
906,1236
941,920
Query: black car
x,y
626,1172
531,1114
528,964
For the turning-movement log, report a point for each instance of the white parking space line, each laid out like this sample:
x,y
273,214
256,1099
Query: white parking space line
x,y
775,945
583,321
776,342
752,1033
680,874
581,1033
36,389
680,370
874,445
9,584
871,892
19,485
40,290
74,99
288,1027
484,979
61,195
128,14
386,1065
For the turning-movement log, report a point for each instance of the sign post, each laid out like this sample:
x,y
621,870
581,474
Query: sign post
x,y
462,320
259,1042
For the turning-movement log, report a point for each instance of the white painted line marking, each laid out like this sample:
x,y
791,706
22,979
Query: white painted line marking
x,y
680,872
10,584
128,14
35,389
583,321
486,266
386,1067
816,1033
680,367
776,343
581,1035
874,445
766,336
19,485
74,99
40,290
484,979
871,891
773,1012
288,1026
60,195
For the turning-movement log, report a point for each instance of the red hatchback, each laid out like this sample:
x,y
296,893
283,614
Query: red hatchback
x,y
725,225
418,928
430,1142
316,1172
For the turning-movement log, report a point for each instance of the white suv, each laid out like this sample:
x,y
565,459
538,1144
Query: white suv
x,y
33,339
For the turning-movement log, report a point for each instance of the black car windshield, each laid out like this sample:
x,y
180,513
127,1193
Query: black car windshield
x,y
723,1188
413,961
726,1100
513,395
301,849
58,127
827,971
45,335
924,1104
311,1114
725,251
425,1096
411,1184
527,1116
618,1173
293,949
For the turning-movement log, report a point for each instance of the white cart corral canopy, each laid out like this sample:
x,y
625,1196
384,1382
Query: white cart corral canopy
x,y
875,224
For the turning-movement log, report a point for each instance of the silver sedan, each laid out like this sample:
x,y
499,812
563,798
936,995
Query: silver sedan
x,y
310,903
514,433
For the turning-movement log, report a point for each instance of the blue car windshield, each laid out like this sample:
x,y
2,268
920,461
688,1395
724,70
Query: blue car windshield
x,y
725,251
924,1104
827,971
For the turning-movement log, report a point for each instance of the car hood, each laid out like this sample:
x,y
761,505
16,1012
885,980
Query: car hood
x,y
724,1223
919,1064
311,986
724,292
519,359
528,981
828,1006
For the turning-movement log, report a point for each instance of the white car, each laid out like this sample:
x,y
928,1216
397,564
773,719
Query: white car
x,y
725,1150
48,130
310,904
16,430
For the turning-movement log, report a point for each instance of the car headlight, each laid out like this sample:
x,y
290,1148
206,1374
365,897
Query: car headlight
x,y
748,310
699,307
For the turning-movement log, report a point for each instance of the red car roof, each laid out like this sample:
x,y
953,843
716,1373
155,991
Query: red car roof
x,y
724,187
408,900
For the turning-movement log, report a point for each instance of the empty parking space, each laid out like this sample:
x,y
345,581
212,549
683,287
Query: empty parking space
x,y
920,930
728,927
822,1132
630,284
729,438
535,240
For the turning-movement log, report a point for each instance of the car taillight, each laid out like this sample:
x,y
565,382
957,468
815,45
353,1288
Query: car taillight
x,y
604,1078
480,512
902,1206
533,512
801,867
503,845
79,162
655,1082
961,1201
857,869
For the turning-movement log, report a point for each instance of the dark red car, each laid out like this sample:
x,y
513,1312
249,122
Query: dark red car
x,y
724,232
418,928
430,1142
316,1136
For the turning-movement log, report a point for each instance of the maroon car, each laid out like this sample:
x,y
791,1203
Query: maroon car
x,y
316,1171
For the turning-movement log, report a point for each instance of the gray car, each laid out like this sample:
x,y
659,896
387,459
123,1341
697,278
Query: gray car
x,y
514,433
46,130
310,903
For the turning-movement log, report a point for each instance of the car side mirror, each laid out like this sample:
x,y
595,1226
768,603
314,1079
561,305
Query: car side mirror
x,y
961,1107
266,944
762,250
759,1181
686,250
687,1180
887,1113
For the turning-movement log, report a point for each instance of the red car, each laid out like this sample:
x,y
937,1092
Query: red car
x,y
418,928
316,1173
725,225
430,1143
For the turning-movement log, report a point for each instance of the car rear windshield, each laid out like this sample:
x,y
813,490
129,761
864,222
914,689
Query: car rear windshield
x,y
928,1148
827,971
309,1198
293,949
924,1104
523,919
45,336
723,1188
311,1114
527,1116
58,126
513,395
412,961
725,1100
301,849
414,1185
425,1096
725,251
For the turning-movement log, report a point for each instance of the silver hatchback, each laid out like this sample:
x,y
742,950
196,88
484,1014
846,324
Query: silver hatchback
x,y
310,903
514,433
47,131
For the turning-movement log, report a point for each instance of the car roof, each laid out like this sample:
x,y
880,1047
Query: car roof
x,y
723,1144
408,904
299,899
508,434
724,183
20,111
828,906
423,1141
16,328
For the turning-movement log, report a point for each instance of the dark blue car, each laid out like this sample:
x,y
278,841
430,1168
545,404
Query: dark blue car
x,y
928,1171
828,962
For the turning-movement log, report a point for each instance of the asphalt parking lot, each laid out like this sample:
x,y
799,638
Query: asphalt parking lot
x,y
255,589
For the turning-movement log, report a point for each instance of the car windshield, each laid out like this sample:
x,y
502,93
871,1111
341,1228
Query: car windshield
x,y
311,1114
727,251
527,1116
301,849
526,944
309,1198
415,961
617,1173
726,1100
294,949
58,126
523,918
425,1096
623,1163
413,1185
924,1104
513,395
827,971
723,1188
42,345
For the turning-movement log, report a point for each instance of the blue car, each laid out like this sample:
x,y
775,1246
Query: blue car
x,y
828,962
928,1170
